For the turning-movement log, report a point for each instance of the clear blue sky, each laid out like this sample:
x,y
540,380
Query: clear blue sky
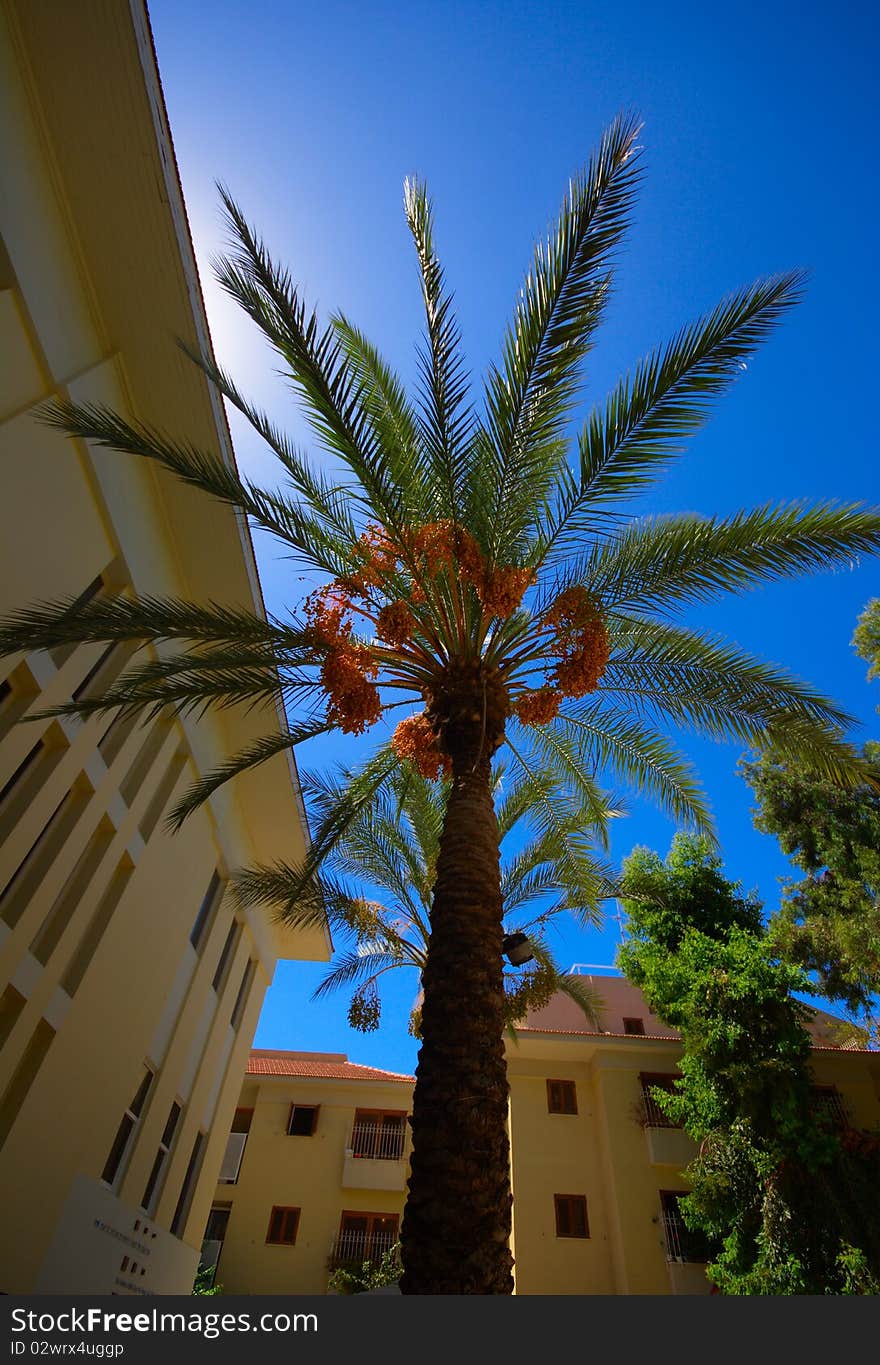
x,y
760,157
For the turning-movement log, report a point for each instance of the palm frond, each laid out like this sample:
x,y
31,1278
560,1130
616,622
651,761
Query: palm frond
x,y
587,998
446,421
328,501
560,305
360,966
244,761
335,817
644,759
661,564
666,673
50,625
645,420
329,388
287,521
384,398
553,811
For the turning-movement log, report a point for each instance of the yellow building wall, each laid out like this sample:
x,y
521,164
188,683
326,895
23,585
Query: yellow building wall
x,y
607,1154
304,1173
98,977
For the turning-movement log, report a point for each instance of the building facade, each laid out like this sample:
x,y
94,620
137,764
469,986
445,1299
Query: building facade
x,y
314,1174
130,985
316,1167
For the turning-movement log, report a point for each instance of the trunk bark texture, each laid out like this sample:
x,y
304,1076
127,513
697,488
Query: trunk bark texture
x,y
456,1225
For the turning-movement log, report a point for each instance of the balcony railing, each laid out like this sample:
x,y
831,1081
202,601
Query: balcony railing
x,y
654,1115
235,1144
353,1248
681,1243
828,1105
378,1141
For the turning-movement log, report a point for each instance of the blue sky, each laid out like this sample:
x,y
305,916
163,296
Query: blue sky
x,y
758,158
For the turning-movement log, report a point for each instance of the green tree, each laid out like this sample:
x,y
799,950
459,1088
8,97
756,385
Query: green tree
x,y
360,1279
829,919
866,640
788,1204
391,849
488,570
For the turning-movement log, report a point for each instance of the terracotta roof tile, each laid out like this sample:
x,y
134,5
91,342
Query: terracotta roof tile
x,y
319,1066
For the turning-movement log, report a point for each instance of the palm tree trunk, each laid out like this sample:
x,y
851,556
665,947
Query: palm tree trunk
x,y
456,1225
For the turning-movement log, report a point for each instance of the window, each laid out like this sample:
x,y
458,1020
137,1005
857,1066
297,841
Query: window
x,y
209,901
634,1026
363,1237
82,691
681,1243
235,1145
23,1076
29,759
562,1097
11,1006
283,1223
242,1120
62,652
654,1115
188,1189
125,1131
303,1120
226,957
571,1215
151,1192
94,930
378,1134
244,994
218,1221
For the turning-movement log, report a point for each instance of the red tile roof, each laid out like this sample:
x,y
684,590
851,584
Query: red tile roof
x,y
331,1066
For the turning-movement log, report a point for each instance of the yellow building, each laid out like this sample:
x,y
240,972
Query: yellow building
x,y
314,1175
129,985
316,1166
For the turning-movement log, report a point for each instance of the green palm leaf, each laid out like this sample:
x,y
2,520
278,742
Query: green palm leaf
x,y
446,419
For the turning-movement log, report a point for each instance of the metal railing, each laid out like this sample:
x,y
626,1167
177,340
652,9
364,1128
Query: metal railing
x,y
231,1166
681,1243
379,1141
828,1104
353,1248
654,1115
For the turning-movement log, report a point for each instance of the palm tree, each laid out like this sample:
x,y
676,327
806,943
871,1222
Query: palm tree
x,y
486,569
392,847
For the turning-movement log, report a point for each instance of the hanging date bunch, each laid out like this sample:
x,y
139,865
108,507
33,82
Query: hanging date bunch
x,y
435,617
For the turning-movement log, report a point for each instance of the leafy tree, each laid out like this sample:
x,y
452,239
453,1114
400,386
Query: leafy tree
x,y
350,1279
481,574
392,847
788,1204
866,640
829,920
204,1282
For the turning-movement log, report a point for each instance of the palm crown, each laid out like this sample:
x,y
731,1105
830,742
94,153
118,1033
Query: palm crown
x,y
478,573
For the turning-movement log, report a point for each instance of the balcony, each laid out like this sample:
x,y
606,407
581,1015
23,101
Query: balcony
x,y
353,1248
686,1252
668,1143
375,1158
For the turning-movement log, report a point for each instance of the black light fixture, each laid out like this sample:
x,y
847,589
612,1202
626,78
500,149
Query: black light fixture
x,y
516,949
